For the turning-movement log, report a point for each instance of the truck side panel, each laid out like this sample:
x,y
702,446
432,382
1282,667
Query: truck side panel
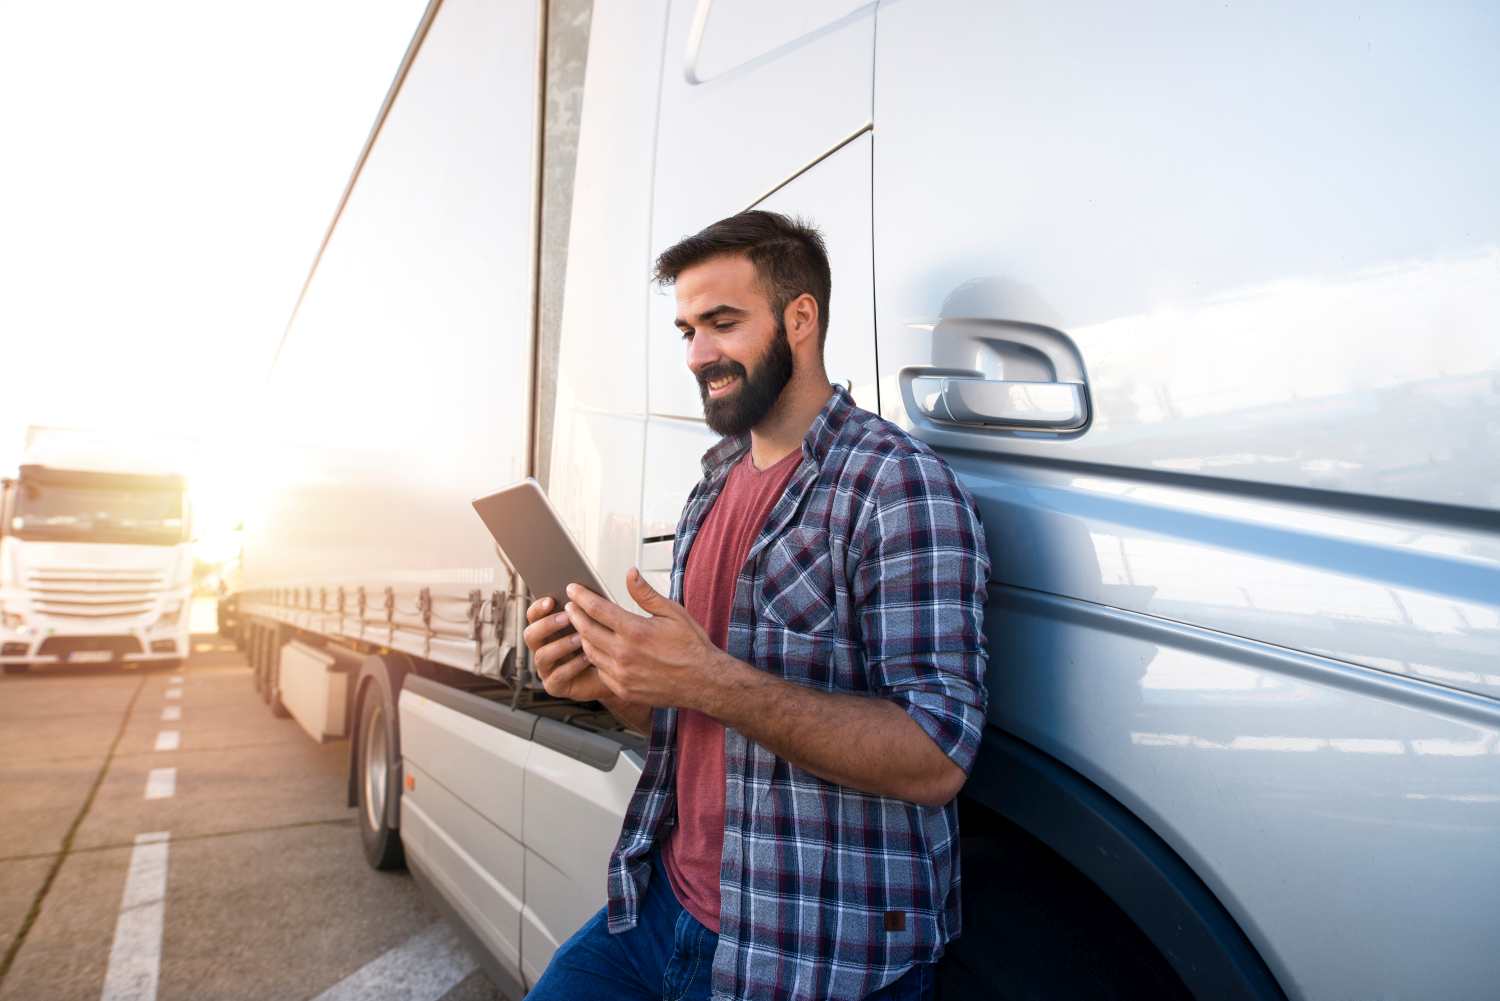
x,y
402,388
461,816
1255,601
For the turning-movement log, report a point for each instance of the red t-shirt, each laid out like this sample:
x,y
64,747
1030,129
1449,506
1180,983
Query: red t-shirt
x,y
693,849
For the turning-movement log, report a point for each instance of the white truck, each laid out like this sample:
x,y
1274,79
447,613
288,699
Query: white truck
x,y
1244,733
96,561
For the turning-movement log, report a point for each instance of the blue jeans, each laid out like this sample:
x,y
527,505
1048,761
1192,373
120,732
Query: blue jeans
x,y
667,956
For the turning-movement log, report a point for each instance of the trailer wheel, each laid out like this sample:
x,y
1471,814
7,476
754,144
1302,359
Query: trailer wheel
x,y
267,663
378,781
253,650
273,682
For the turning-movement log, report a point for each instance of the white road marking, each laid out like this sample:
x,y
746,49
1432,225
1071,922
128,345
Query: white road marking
x,y
135,956
423,968
174,693
168,740
161,783
171,714
175,679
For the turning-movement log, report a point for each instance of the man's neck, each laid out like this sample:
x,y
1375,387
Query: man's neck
x,y
782,431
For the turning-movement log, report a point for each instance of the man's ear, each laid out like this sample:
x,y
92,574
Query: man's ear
x,y
801,319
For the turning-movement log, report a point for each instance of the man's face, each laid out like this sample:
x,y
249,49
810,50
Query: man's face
x,y
736,345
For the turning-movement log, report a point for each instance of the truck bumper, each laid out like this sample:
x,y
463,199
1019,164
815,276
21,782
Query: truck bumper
x,y
131,646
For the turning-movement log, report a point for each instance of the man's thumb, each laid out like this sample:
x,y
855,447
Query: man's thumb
x,y
644,594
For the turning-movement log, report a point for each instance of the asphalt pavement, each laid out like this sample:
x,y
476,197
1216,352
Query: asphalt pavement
x,y
162,836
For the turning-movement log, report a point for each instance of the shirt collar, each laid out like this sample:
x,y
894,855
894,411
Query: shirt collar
x,y
815,446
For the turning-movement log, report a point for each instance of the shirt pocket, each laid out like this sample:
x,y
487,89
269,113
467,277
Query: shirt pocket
x,y
818,660
796,586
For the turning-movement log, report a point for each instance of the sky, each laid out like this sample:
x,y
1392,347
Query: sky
x,y
167,172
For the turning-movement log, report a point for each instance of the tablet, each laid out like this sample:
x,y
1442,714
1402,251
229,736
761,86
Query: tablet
x,y
536,542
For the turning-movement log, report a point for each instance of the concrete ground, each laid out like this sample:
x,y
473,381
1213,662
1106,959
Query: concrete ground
x,y
266,891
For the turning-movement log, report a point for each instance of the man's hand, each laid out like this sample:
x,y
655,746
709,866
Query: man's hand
x,y
663,659
666,659
560,662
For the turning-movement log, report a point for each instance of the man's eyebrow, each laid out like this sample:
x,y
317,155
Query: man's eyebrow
x,y
709,315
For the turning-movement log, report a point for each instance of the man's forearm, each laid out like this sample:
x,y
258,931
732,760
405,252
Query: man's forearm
x,y
632,714
860,741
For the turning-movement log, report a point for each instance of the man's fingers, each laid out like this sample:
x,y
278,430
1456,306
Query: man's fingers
x,y
610,672
589,628
608,676
560,678
602,610
598,656
535,635
538,608
548,657
647,596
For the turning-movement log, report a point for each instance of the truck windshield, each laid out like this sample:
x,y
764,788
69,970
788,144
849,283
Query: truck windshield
x,y
76,513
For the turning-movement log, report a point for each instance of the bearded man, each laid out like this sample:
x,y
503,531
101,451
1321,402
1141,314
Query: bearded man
x,y
814,687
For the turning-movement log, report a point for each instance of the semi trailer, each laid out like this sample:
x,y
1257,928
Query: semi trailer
x,y
1199,302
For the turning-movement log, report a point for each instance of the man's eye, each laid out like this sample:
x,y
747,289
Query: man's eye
x,y
687,335
728,325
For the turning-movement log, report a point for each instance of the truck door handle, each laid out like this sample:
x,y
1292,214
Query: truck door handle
x,y
966,399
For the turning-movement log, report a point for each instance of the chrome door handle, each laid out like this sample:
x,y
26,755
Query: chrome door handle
x,y
969,400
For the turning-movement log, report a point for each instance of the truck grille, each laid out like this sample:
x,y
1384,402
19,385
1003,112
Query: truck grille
x,y
94,592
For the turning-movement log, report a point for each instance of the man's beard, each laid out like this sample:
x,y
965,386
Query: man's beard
x,y
750,401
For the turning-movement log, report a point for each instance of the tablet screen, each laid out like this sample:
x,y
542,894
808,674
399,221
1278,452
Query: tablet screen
x,y
536,543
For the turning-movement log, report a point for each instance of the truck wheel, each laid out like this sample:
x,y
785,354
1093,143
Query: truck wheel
x,y
1034,929
263,675
270,655
378,782
273,693
271,679
253,656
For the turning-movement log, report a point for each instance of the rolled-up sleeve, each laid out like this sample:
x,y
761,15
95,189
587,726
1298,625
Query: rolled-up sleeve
x,y
919,588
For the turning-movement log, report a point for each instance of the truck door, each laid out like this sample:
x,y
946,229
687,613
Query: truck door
x,y
1200,302
759,109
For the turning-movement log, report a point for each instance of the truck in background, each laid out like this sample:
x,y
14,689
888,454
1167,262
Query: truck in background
x,y
1208,338
96,557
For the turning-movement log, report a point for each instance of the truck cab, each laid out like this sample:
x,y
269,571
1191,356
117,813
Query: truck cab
x,y
95,566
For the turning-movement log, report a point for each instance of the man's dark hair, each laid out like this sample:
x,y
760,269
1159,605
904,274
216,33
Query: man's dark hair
x,y
789,257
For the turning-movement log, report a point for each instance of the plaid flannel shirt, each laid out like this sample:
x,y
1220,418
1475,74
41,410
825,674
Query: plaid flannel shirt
x,y
868,576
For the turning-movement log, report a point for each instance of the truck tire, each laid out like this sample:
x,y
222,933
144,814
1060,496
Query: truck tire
x,y
270,657
252,654
378,780
1035,929
274,700
273,678
267,652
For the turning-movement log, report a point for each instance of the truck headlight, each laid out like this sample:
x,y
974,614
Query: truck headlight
x,y
13,620
170,613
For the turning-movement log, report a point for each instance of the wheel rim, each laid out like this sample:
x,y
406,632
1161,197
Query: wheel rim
x,y
375,769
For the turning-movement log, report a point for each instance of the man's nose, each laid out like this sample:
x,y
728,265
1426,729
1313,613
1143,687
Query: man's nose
x,y
701,353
